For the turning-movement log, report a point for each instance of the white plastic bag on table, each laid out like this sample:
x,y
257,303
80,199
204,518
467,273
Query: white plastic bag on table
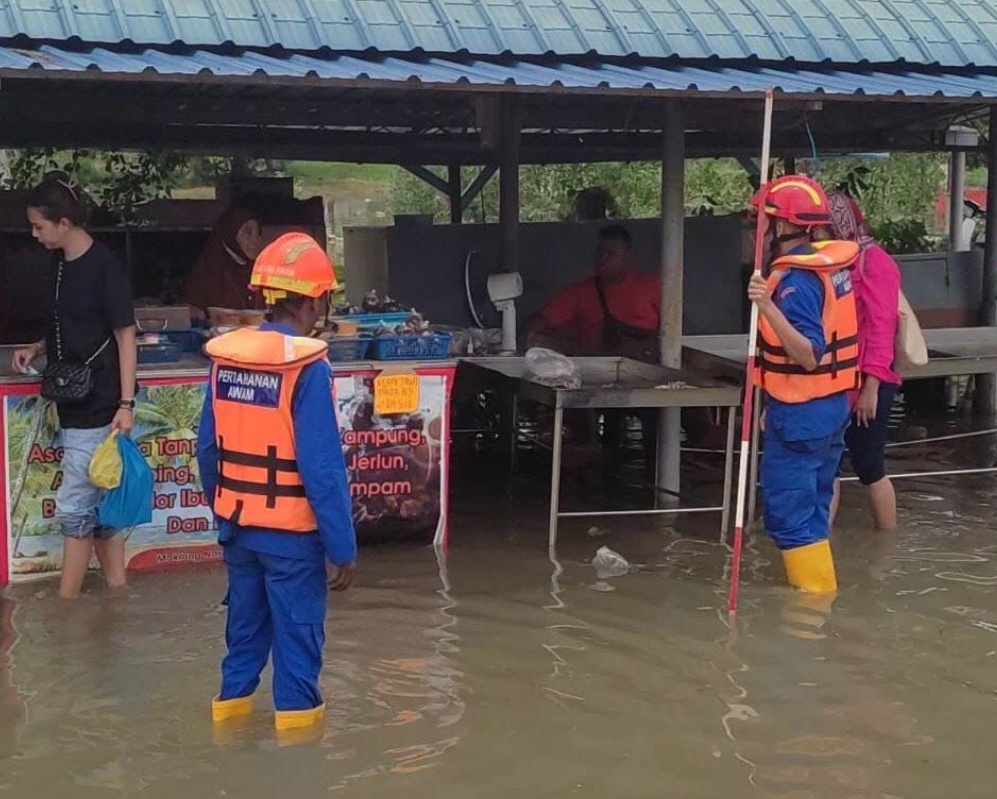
x,y
551,369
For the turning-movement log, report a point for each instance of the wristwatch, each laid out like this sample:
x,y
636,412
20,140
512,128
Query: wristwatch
x,y
127,404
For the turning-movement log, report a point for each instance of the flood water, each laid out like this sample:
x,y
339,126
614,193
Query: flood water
x,y
498,671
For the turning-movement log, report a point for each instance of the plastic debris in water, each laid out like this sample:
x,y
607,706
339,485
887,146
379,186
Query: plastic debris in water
x,y
609,564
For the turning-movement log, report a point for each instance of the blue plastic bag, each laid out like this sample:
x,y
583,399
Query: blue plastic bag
x,y
130,503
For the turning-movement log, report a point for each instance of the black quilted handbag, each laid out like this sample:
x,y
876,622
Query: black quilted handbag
x,y
67,382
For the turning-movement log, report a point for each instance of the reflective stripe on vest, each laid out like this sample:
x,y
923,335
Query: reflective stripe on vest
x,y
780,376
253,382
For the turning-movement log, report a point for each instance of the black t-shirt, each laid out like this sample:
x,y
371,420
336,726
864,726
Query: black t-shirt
x,y
95,299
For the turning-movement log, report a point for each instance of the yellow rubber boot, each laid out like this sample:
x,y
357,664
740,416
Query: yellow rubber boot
x,y
297,719
225,709
811,568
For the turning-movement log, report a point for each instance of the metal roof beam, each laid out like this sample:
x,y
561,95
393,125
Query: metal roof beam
x,y
428,177
415,149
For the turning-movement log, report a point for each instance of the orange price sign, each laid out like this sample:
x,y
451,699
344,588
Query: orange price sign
x,y
395,394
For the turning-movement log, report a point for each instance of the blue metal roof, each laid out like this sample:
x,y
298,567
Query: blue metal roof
x,y
496,73
952,33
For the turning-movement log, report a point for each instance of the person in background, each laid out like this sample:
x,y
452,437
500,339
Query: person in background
x,y
614,312
220,279
272,466
876,280
594,203
94,321
617,311
807,365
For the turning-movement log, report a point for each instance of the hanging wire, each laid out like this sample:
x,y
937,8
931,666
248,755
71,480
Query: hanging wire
x,y
815,159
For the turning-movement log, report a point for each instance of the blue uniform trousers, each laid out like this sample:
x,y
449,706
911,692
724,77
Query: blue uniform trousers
x,y
274,603
797,480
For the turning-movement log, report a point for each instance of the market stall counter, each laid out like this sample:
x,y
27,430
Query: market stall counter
x,y
394,420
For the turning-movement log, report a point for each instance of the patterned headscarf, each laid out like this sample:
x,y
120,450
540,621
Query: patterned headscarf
x,y
847,221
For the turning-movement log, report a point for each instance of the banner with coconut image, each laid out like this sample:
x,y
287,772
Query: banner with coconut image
x,y
182,527
397,463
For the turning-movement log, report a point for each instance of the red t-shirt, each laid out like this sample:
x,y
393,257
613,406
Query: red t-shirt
x,y
576,311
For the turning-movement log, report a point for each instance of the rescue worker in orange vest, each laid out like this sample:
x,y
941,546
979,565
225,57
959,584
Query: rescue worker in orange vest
x,y
272,467
807,364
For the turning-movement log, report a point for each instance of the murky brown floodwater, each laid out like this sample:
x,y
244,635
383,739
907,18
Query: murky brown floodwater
x,y
502,673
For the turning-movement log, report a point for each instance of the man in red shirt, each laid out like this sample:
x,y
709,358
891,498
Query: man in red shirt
x,y
617,311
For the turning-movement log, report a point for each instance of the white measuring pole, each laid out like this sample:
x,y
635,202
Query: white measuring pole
x,y
746,407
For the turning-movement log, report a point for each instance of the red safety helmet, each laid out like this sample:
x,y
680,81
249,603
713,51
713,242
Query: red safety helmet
x,y
293,264
797,199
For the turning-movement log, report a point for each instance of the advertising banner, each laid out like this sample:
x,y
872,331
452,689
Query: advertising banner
x,y
396,456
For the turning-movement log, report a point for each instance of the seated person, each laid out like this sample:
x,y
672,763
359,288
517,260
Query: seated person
x,y
220,279
617,311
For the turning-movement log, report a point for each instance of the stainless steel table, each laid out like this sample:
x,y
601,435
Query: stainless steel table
x,y
953,351
608,382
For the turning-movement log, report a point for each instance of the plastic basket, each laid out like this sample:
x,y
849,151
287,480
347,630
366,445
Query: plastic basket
x,y
343,349
372,321
159,353
434,347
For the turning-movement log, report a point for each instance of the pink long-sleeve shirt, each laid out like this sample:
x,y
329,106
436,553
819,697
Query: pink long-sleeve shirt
x,y
877,294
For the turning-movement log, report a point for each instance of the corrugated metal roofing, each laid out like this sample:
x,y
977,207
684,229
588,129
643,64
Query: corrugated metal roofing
x,y
483,73
951,33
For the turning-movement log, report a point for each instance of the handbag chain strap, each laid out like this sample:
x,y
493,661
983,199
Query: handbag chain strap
x,y
58,325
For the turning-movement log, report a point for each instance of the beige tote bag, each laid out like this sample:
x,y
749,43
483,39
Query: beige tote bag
x,y
910,348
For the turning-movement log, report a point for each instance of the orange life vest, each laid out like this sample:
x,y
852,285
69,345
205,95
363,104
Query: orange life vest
x,y
780,376
252,380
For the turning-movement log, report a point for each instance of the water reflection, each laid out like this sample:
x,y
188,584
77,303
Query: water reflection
x,y
12,701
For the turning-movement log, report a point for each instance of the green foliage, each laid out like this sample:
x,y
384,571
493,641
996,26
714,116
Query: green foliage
x,y
900,187
903,236
117,182
204,171
547,193
715,186
855,182
135,178
895,192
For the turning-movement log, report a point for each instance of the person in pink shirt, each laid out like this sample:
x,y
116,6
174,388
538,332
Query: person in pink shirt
x,y
876,279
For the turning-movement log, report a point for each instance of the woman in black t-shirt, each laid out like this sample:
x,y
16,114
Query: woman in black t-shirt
x,y
94,322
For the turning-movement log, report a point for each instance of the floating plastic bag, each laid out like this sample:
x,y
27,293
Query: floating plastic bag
x,y
129,504
609,563
105,465
552,369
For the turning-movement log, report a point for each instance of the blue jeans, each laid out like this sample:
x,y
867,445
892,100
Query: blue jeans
x,y
77,499
797,487
274,603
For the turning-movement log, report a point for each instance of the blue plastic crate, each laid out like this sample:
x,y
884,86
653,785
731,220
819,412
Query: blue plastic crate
x,y
344,349
188,340
434,347
159,353
372,321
